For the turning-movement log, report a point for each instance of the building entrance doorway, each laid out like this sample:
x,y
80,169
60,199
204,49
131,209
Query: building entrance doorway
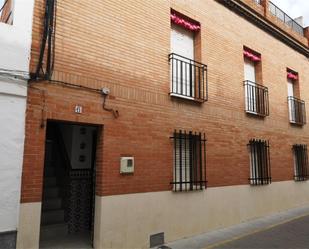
x,y
69,186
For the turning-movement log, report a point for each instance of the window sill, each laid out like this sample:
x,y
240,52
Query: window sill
x,y
195,189
256,114
187,97
301,179
188,187
296,123
259,184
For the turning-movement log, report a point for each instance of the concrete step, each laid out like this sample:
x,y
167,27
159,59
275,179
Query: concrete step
x,y
49,172
52,204
51,192
50,182
61,228
50,217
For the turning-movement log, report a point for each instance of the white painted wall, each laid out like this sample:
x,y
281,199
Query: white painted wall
x,y
15,40
73,138
127,221
15,45
76,152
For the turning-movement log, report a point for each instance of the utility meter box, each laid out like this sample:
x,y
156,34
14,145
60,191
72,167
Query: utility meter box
x,y
126,165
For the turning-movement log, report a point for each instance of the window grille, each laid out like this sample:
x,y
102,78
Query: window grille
x,y
300,162
260,173
189,161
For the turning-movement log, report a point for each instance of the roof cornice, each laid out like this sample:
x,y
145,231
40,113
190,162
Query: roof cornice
x,y
267,26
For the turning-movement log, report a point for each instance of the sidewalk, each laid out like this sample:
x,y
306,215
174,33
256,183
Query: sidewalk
x,y
289,229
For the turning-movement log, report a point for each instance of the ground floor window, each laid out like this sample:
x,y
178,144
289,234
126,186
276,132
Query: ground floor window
x,y
260,172
189,161
300,162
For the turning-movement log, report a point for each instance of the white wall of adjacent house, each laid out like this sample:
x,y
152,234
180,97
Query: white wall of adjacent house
x,y
15,45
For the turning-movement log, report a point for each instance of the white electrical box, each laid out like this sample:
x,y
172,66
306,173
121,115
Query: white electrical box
x,y
126,165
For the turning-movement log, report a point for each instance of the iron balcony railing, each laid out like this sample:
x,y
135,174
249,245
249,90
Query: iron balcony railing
x,y
281,15
256,98
188,78
6,12
297,110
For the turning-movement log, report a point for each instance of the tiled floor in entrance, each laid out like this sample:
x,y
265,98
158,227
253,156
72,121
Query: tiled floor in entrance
x,y
56,237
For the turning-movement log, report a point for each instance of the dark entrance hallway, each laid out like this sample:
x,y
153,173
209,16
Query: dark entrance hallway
x,y
68,187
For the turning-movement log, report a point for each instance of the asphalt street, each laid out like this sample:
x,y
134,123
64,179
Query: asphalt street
x,y
290,235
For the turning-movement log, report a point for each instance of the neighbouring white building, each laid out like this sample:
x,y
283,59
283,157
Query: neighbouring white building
x,y
15,42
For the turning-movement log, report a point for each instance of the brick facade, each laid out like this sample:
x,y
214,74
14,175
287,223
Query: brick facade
x,y
124,45
5,15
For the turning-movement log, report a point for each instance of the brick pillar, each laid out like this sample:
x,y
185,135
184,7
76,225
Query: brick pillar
x,y
265,4
306,33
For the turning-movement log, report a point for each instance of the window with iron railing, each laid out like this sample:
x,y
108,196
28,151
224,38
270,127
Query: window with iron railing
x,y
189,161
287,20
300,162
297,111
260,173
256,98
6,12
188,78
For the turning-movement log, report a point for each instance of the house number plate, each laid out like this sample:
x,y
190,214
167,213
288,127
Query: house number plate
x,y
78,109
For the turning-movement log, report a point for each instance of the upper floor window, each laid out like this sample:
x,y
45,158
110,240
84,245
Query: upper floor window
x,y
256,95
188,77
6,11
189,161
300,162
297,109
260,172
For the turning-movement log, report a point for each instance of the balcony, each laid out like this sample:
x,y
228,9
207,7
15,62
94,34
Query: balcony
x,y
188,78
256,99
297,111
287,20
6,12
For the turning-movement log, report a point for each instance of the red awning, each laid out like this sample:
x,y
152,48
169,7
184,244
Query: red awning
x,y
252,56
292,76
184,23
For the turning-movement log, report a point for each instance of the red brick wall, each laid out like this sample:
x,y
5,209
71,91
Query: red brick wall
x,y
307,33
5,13
124,45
